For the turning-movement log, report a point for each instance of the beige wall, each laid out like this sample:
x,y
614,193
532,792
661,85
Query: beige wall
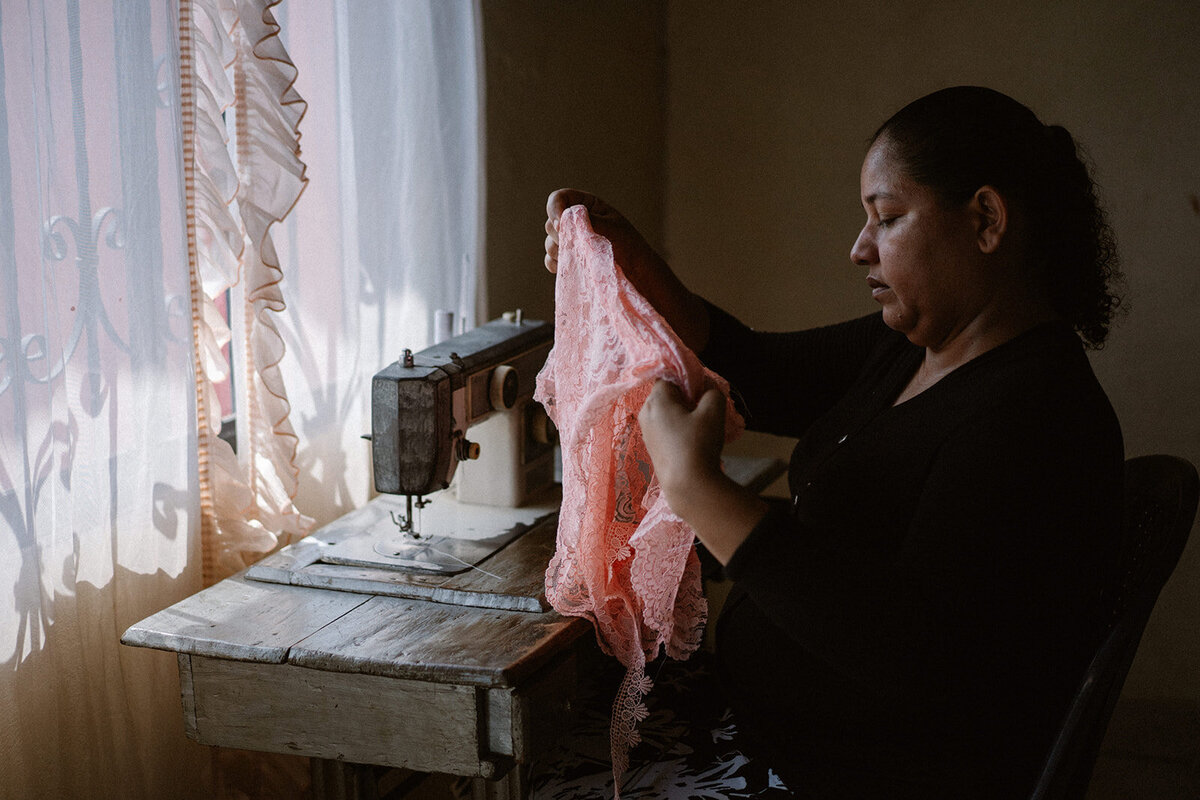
x,y
767,107
575,97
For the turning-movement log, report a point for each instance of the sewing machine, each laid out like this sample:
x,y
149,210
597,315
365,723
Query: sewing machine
x,y
448,503
422,405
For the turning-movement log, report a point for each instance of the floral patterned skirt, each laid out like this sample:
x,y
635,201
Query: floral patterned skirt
x,y
690,750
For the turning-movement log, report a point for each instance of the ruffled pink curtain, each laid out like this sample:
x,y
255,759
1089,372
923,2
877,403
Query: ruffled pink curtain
x,y
237,79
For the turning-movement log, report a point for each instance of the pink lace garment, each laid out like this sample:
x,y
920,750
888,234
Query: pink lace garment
x,y
623,559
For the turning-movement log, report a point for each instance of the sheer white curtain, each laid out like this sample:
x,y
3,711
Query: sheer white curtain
x,y
97,428
389,229
100,485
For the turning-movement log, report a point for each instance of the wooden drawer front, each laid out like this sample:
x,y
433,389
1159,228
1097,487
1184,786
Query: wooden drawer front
x,y
534,717
364,719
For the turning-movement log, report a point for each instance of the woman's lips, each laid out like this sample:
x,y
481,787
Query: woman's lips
x,y
878,287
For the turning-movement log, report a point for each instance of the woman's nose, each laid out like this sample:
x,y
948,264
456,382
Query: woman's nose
x,y
863,252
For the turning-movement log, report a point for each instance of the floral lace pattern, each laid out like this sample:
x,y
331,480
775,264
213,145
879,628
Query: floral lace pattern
x,y
623,559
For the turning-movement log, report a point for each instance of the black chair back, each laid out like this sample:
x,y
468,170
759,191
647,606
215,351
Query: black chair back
x,y
1161,494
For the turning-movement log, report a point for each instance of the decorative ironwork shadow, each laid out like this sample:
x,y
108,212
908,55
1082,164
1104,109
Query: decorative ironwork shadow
x,y
39,459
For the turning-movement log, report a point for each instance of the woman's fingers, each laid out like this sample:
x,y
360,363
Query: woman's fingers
x,y
665,399
562,199
668,419
712,404
558,202
551,259
684,443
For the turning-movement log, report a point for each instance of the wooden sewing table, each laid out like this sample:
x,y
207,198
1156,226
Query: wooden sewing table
x,y
351,679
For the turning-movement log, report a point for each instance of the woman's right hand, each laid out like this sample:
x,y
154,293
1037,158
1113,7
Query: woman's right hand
x,y
642,266
630,248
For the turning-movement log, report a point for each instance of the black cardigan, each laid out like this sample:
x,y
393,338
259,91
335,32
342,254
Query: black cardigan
x,y
915,623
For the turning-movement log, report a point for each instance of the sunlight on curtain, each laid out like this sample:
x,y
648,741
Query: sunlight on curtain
x,y
100,486
97,434
390,227
238,83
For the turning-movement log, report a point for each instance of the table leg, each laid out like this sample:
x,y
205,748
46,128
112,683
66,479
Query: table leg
x,y
513,786
339,780
343,780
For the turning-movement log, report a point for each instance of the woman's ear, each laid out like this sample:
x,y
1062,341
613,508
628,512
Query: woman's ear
x,y
991,218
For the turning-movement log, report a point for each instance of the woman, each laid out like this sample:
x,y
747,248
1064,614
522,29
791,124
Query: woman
x,y
915,623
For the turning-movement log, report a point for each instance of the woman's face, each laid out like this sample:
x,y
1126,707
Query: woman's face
x,y
922,257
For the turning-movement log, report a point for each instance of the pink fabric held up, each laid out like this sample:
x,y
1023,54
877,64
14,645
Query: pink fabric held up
x,y
623,559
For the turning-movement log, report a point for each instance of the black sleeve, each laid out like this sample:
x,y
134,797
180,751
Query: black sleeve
x,y
783,381
997,577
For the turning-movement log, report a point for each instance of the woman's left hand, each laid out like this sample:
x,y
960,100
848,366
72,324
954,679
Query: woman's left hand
x,y
685,447
684,443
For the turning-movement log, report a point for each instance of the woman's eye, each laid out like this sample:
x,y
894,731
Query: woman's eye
x,y
886,222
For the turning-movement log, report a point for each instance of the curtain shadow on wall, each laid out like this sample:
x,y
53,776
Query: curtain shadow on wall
x,y
97,441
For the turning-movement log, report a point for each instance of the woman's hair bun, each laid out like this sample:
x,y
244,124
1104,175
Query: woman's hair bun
x,y
1062,143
